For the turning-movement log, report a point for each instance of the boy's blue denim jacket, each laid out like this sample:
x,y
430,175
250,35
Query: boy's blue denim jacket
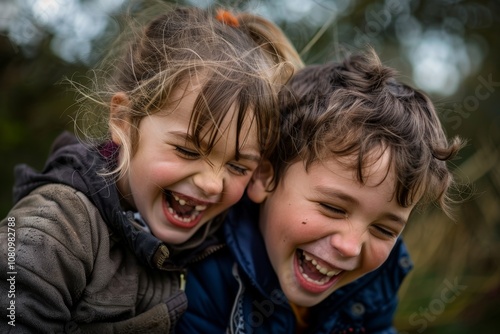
x,y
235,290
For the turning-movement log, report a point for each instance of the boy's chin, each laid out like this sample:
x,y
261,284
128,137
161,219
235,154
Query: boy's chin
x,y
304,300
294,294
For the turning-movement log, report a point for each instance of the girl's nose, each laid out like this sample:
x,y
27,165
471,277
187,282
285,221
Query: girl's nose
x,y
210,181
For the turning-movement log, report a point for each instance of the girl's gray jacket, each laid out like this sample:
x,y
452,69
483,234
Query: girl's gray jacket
x,y
73,262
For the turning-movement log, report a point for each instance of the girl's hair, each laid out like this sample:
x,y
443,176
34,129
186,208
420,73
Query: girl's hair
x,y
242,64
356,109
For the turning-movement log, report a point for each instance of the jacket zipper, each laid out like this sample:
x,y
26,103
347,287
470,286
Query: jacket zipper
x,y
209,251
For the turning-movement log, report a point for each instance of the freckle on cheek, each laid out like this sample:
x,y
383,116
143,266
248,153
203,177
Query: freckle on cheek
x,y
304,223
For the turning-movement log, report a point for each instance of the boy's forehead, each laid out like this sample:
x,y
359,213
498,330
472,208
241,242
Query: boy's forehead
x,y
374,168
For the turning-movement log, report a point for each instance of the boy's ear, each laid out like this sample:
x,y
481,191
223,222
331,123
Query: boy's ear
x,y
261,179
119,122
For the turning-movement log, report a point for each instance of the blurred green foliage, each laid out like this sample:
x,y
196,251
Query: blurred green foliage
x,y
35,108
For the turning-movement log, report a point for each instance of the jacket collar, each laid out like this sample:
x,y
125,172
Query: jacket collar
x,y
245,241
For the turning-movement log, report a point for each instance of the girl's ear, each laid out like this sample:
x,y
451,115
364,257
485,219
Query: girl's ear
x,y
119,122
261,179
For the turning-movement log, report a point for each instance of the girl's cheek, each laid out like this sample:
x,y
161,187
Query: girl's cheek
x,y
236,191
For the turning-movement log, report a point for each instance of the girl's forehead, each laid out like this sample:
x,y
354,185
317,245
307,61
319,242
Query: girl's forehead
x,y
187,88
196,90
210,119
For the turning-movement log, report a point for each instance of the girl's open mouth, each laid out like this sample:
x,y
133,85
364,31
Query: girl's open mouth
x,y
313,274
182,211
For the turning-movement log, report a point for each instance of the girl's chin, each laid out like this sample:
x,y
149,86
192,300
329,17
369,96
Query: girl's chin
x,y
173,236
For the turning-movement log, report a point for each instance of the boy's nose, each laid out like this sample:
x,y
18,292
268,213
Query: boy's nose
x,y
348,243
210,181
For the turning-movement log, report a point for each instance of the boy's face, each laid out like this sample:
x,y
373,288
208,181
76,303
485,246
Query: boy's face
x,y
174,187
323,229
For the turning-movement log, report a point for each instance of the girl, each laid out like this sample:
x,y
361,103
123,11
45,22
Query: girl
x,y
101,235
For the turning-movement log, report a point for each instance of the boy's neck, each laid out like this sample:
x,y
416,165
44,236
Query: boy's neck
x,y
301,318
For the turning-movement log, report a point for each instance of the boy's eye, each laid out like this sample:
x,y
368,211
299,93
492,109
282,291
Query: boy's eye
x,y
336,212
385,232
187,153
237,169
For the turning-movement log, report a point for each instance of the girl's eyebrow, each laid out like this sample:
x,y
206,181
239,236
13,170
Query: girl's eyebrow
x,y
249,156
349,199
182,135
242,156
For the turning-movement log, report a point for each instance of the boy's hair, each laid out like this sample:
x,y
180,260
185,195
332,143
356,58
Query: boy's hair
x,y
353,108
242,64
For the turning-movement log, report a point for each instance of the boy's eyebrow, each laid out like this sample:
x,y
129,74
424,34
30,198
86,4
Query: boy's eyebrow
x,y
396,219
189,138
347,198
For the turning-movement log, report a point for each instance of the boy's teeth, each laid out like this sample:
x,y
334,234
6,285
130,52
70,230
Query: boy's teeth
x,y
321,269
200,207
333,273
320,282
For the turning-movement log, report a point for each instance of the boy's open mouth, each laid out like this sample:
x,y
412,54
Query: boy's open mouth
x,y
181,210
315,275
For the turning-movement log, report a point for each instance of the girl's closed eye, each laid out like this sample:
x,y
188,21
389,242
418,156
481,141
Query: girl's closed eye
x,y
188,154
238,169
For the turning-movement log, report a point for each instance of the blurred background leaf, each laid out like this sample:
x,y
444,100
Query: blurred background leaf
x,y
448,48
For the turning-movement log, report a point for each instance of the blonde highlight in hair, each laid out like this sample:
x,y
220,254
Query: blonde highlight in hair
x,y
242,66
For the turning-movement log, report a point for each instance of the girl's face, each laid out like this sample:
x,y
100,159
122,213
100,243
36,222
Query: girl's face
x,y
324,229
175,189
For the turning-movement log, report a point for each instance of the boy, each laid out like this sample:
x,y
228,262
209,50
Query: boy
x,y
322,252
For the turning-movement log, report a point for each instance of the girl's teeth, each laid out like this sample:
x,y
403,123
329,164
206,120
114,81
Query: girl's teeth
x,y
183,202
186,219
198,209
